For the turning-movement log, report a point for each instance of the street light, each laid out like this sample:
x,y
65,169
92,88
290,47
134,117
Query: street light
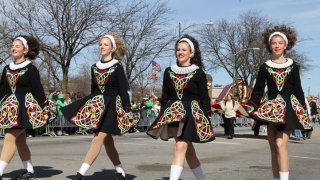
x,y
235,91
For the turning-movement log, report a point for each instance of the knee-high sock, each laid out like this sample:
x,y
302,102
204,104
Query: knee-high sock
x,y
175,172
198,173
119,169
28,166
284,175
84,168
3,165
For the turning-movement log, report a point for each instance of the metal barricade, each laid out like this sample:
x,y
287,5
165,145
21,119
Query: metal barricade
x,y
242,121
145,120
216,120
60,122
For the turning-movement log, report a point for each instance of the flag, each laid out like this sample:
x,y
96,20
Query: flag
x,y
156,66
154,77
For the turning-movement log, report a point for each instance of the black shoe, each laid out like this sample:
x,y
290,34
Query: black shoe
x,y
230,137
78,177
119,176
26,176
0,177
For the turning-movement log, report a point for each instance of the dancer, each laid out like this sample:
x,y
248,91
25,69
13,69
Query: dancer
x,y
23,103
185,107
285,108
106,109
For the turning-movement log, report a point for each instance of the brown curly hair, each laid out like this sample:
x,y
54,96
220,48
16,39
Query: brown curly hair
x,y
197,58
288,31
121,46
34,46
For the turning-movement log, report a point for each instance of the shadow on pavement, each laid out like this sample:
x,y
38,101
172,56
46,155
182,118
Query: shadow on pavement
x,y
40,172
105,174
244,136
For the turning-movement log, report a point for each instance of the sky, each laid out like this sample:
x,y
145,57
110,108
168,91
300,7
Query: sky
x,y
303,15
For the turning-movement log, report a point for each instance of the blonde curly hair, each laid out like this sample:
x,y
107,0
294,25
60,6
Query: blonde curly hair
x,y
121,46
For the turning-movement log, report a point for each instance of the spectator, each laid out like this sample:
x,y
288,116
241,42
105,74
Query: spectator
x,y
312,107
61,120
229,107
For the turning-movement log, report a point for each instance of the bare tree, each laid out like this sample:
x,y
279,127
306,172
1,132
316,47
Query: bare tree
x,y
64,27
229,46
80,82
144,27
51,70
5,42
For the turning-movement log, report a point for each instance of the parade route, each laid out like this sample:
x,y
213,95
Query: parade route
x,y
246,157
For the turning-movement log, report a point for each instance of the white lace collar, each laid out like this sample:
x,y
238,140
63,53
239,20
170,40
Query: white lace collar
x,y
106,65
184,70
272,64
14,66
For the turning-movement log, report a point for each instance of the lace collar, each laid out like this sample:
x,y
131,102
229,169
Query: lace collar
x,y
14,66
184,70
106,65
272,64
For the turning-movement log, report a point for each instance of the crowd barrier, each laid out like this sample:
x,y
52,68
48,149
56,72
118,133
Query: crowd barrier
x,y
56,125
142,119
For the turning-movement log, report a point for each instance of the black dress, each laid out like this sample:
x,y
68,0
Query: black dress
x,y
107,108
23,103
185,103
284,103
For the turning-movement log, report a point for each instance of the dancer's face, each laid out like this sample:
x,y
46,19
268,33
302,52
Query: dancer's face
x,y
105,47
17,49
277,46
184,54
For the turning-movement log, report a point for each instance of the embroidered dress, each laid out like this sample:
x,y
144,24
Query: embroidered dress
x,y
23,102
185,103
106,109
285,102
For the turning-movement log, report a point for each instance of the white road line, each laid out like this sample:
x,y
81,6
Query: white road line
x,y
147,143
59,138
229,143
312,153
138,144
302,157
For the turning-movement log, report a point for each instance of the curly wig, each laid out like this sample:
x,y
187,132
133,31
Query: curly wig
x,y
196,59
121,46
34,46
288,31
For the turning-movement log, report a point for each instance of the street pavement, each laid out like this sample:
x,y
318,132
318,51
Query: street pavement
x,y
246,157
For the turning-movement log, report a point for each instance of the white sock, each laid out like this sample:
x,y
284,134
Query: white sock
x,y
3,165
198,173
84,168
119,169
175,172
284,175
28,166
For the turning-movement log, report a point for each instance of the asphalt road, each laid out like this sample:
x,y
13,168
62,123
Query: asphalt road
x,y
245,157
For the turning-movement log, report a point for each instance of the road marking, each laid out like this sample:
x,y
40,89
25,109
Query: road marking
x,y
229,143
302,157
139,144
312,153
132,144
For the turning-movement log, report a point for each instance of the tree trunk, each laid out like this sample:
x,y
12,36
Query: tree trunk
x,y
65,80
